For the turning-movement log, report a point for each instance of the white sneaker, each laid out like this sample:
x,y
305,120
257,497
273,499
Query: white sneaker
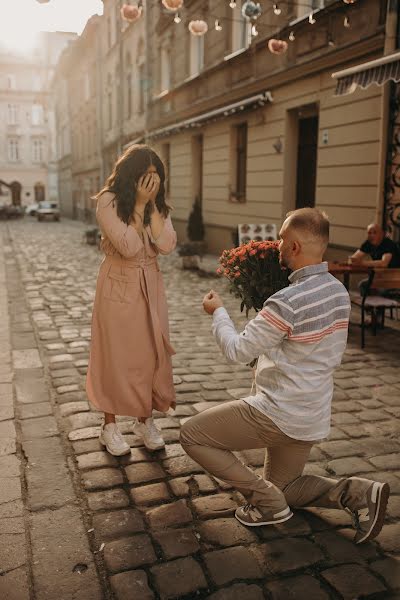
x,y
149,433
111,438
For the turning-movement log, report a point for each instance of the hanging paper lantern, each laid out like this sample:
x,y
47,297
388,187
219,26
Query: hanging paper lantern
x,y
251,10
198,27
173,5
277,46
131,12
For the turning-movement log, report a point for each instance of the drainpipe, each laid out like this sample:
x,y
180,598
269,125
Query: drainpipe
x,y
100,102
121,85
391,43
147,33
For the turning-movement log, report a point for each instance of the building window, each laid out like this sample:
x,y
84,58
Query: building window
x,y
109,33
13,150
12,114
142,88
37,114
37,151
196,54
165,153
11,82
86,86
165,75
117,21
36,83
110,110
304,9
129,96
241,29
240,140
40,193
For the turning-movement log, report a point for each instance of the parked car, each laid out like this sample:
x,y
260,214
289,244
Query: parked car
x,y
14,212
31,209
48,210
10,211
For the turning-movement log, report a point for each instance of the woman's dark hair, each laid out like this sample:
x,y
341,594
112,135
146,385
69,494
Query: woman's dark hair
x,y
124,179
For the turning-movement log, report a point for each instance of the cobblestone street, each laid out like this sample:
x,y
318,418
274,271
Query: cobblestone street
x,y
77,523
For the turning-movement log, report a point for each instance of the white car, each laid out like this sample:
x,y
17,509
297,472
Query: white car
x,y
31,209
48,210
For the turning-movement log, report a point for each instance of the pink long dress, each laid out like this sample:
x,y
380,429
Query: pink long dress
x,y
130,368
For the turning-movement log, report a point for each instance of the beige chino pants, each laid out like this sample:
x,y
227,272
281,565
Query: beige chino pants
x,y
211,437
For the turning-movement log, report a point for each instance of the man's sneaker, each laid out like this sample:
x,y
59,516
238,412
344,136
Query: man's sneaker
x,y
368,521
251,516
111,438
149,433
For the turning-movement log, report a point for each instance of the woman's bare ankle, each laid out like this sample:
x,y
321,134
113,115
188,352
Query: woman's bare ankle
x,y
109,418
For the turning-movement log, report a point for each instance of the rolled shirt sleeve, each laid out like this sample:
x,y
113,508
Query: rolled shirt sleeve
x,y
267,330
166,241
123,237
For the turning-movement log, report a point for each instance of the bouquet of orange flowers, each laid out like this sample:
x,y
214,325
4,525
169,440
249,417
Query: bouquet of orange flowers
x,y
254,272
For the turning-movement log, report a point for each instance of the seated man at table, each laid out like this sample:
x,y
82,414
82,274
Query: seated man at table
x,y
383,252
377,251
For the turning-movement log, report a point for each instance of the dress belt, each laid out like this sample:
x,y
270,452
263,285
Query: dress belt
x,y
132,263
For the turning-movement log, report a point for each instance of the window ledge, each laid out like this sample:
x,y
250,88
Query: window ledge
x,y
192,77
161,95
236,53
314,11
237,198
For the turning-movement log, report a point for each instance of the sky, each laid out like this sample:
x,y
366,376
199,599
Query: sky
x,y
22,19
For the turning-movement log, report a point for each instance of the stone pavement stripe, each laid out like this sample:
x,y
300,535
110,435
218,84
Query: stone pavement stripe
x,y
59,544
55,533
14,582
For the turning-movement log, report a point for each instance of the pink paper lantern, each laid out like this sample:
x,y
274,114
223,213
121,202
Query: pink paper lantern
x,y
131,12
198,27
173,5
277,46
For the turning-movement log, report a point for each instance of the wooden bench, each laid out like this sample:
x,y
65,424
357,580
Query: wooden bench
x,y
377,303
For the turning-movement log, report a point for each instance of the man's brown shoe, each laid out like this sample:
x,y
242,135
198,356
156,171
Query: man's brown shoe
x,y
252,517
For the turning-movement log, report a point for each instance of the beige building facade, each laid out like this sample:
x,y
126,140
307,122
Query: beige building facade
x,y
249,133
27,127
270,131
99,90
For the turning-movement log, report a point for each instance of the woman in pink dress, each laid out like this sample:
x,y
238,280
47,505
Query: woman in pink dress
x,y
130,368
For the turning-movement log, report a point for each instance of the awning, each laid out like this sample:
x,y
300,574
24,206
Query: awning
x,y
377,71
214,115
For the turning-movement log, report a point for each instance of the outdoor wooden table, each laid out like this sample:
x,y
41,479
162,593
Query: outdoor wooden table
x,y
346,270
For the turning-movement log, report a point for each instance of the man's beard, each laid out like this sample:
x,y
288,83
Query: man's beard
x,y
283,262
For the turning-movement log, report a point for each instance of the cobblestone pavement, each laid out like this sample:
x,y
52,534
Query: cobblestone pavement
x,y
76,523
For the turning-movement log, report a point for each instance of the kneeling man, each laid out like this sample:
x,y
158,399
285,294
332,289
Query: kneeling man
x,y
299,338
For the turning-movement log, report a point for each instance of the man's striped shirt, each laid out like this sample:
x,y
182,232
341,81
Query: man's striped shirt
x,y
299,338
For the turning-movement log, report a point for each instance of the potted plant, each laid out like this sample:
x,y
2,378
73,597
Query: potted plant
x,y
192,251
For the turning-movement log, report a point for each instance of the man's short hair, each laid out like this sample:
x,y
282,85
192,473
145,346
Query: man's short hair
x,y
312,221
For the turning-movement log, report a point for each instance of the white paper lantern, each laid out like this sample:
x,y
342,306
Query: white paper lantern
x,y
131,12
173,5
199,27
277,46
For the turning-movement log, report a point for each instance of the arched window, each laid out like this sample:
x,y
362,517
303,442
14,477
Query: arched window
x,y
141,76
129,84
39,190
